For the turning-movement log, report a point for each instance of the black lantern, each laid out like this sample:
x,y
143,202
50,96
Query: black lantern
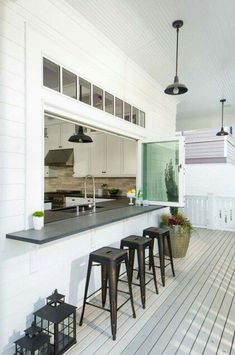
x,y
58,319
33,343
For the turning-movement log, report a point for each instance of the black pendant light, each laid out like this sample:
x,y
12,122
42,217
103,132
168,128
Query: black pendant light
x,y
79,136
222,132
176,88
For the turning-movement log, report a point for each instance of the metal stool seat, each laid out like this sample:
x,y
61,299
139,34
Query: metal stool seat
x,y
162,235
110,260
140,244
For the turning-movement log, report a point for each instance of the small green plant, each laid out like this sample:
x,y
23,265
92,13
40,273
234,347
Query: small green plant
x,y
171,187
38,214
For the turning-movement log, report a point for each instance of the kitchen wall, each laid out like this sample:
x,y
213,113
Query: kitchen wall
x,y
28,31
66,181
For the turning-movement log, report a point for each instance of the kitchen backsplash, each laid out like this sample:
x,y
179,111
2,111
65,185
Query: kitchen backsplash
x,y
66,181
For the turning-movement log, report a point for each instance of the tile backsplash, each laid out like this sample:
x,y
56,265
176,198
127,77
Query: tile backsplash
x,y
66,181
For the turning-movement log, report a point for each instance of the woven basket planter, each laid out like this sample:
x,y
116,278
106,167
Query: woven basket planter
x,y
180,238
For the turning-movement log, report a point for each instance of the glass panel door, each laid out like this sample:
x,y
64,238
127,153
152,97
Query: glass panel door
x,y
163,171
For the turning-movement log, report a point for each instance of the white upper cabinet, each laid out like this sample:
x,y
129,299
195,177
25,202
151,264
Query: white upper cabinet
x,y
58,135
108,155
66,131
82,159
129,157
113,155
98,154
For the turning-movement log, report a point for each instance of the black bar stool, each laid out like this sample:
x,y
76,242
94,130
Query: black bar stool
x,y
140,244
110,260
162,235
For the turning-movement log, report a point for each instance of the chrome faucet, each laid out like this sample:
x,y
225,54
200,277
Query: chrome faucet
x,y
85,188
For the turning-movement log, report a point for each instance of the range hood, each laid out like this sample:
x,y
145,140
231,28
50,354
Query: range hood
x,y
60,157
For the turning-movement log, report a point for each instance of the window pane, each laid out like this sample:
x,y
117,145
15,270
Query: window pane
x,y
127,111
97,97
142,119
85,91
135,115
118,107
51,75
160,171
109,103
69,84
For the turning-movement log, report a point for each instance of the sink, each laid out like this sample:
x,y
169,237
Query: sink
x,y
73,209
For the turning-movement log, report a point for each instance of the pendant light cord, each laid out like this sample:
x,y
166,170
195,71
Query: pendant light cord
x,y
177,39
222,114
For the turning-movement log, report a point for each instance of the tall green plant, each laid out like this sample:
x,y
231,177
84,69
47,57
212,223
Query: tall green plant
x,y
171,187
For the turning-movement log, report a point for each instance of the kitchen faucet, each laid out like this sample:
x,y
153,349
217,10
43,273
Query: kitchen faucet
x,y
85,188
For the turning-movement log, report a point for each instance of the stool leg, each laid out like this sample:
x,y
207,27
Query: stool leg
x,y
130,288
141,267
161,259
168,238
151,257
131,263
86,290
113,297
104,278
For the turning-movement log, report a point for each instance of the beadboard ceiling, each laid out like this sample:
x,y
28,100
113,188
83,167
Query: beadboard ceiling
x,y
142,29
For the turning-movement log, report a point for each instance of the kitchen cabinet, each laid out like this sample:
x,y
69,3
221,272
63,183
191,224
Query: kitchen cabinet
x,y
108,156
113,155
98,164
82,159
129,157
58,135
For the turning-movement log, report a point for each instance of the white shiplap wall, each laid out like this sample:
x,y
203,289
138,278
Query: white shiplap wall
x,y
28,30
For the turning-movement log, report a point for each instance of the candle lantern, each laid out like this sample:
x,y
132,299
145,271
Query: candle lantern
x,y
35,342
58,319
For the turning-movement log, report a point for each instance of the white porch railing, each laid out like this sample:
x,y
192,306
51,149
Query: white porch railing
x,y
214,212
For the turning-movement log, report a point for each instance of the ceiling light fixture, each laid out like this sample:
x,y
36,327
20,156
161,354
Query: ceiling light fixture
x,y
222,132
176,88
79,136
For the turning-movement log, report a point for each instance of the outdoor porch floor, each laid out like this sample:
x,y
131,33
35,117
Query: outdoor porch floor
x,y
193,314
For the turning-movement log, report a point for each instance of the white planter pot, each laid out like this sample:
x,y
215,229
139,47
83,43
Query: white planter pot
x,y
38,222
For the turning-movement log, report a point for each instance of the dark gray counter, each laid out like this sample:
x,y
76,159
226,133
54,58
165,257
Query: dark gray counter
x,y
67,227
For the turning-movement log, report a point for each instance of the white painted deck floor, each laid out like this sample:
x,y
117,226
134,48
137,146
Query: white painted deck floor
x,y
193,314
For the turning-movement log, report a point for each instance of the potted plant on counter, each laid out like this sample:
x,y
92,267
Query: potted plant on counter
x,y
179,225
38,220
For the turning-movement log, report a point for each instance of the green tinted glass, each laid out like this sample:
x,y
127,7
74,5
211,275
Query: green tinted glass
x,y
160,171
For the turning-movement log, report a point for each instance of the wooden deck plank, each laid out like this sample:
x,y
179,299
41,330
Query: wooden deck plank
x,y
170,340
168,323
226,344
190,287
210,314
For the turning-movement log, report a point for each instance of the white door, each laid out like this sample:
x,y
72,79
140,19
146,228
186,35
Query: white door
x,y
163,172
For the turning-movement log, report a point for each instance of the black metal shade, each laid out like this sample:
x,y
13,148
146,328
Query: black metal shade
x,y
80,137
176,88
222,132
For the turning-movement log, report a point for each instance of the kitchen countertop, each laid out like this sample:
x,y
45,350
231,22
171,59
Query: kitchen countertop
x,y
116,211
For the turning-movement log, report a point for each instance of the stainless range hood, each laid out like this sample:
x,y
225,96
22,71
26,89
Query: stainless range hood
x,y
60,157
